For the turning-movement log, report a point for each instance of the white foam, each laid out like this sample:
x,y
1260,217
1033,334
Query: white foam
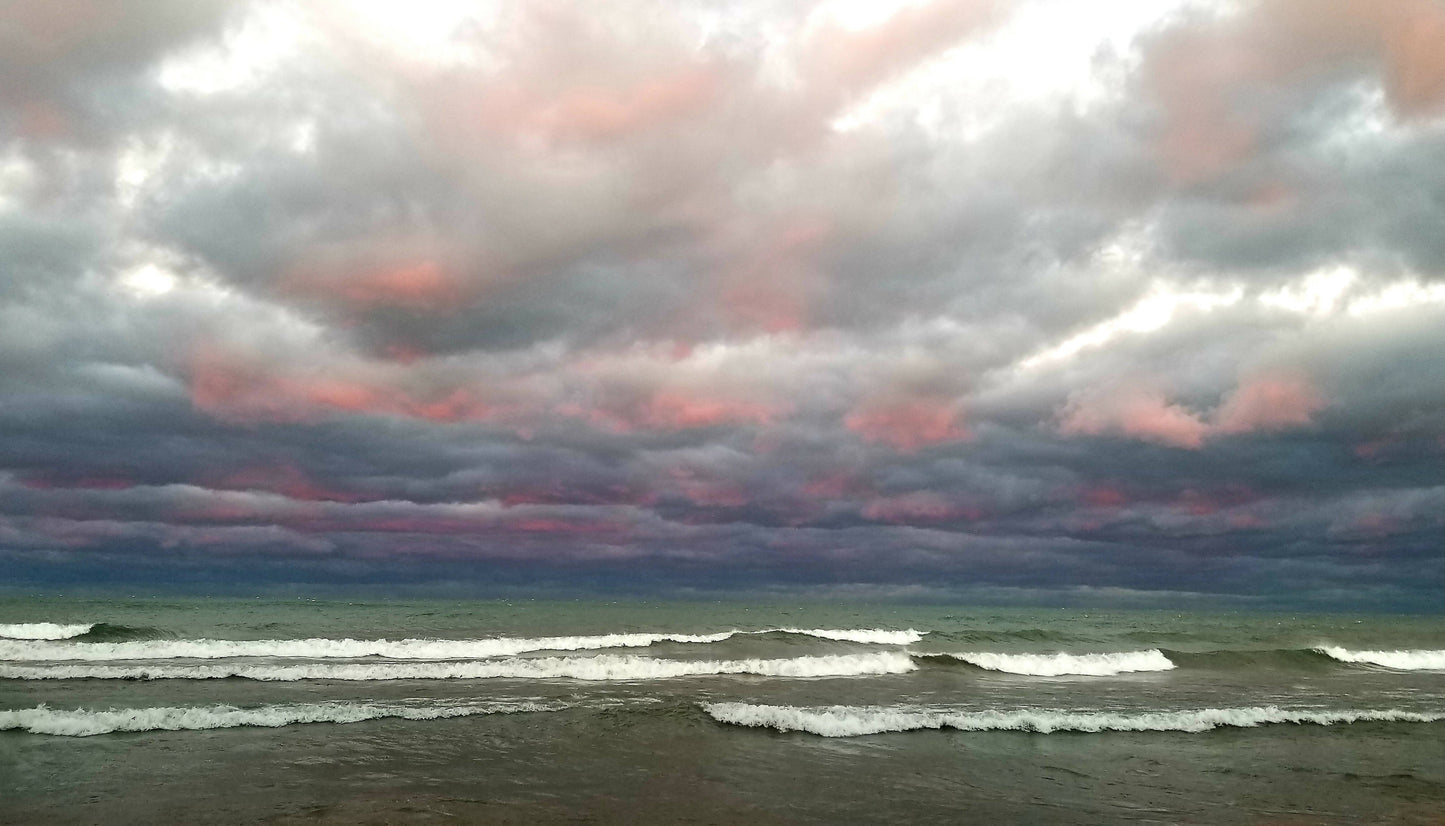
x,y
600,667
321,649
873,636
1054,665
853,721
37,647
1421,659
84,723
42,630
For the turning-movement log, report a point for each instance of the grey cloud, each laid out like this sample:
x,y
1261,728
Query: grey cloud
x,y
620,308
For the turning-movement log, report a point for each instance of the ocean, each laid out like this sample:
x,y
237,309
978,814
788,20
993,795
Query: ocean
x,y
302,711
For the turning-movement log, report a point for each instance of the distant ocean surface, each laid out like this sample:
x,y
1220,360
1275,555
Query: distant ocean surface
x,y
206,710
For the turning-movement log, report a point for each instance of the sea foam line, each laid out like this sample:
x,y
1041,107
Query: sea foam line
x,y
317,648
85,723
873,636
1422,659
854,721
43,630
1054,665
407,649
599,667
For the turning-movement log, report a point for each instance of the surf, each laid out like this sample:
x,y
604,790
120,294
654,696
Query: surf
x,y
68,648
592,668
855,721
87,723
320,648
1063,664
43,630
1420,659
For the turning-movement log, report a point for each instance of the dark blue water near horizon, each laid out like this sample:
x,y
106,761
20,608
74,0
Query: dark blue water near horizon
x,y
265,710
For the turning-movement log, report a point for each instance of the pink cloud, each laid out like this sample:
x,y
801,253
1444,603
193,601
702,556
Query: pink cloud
x,y
771,286
1209,78
1141,412
245,383
1103,496
1268,403
1246,521
421,285
1375,525
1414,42
837,485
908,424
702,490
918,506
851,60
588,130
675,409
1261,403
1374,448
238,385
597,115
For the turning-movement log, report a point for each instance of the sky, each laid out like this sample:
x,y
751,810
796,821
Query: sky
x,y
1140,301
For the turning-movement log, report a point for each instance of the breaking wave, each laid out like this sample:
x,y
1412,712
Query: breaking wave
x,y
42,631
1404,660
109,632
854,721
872,636
1054,665
84,723
317,648
600,667
52,648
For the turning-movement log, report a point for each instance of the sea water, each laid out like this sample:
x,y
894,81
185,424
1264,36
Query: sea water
x,y
209,710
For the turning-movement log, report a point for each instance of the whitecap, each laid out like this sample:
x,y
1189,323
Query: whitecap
x,y
43,630
1054,665
873,636
599,667
1423,659
85,723
853,721
320,649
43,648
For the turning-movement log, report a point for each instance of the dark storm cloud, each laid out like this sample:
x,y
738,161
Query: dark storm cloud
x,y
721,298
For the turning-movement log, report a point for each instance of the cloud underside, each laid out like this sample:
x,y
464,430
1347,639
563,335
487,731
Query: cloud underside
x,y
988,295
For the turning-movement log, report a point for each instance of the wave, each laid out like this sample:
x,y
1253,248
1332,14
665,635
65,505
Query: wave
x,y
872,636
84,723
1054,665
1051,665
854,721
1250,658
1405,660
600,667
49,648
110,632
43,630
317,648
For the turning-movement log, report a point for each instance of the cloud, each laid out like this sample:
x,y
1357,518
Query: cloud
x,y
1140,412
1268,403
1260,403
1219,82
909,424
745,296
